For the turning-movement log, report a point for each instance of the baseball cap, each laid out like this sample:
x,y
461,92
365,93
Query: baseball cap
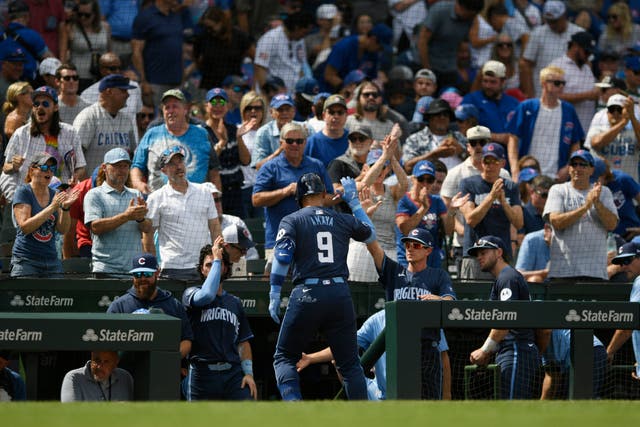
x,y
48,66
438,106
321,95
527,174
553,9
400,72
144,263
382,33
617,99
237,235
610,81
355,76
584,155
423,167
361,129
632,63
478,132
234,80
334,100
425,73
15,55
308,87
280,100
487,242
496,68
421,108
42,159
174,93
584,40
627,251
599,168
493,150
466,111
45,91
326,11
116,155
168,154
115,81
217,92
419,235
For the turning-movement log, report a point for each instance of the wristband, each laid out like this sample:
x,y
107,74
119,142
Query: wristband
x,y
247,366
140,220
66,210
490,346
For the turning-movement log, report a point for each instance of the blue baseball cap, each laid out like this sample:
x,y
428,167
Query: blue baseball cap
x,y
527,174
466,111
15,55
421,108
627,251
117,81
424,167
355,76
599,168
383,33
280,100
45,91
420,235
493,150
168,154
584,155
116,155
488,242
308,87
632,63
217,92
144,263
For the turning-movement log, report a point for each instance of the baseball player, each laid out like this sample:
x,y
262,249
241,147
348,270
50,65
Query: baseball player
x,y
515,349
316,240
221,365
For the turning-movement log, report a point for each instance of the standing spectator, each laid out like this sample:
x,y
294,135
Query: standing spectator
x,y
617,141
120,16
221,363
77,242
515,349
608,87
87,35
267,145
331,141
17,107
47,70
12,386
156,45
329,29
201,160
11,69
446,26
39,212
306,89
144,117
281,51
504,51
581,214
546,128
98,381
493,207
621,33
181,236
69,102
115,215
103,125
406,16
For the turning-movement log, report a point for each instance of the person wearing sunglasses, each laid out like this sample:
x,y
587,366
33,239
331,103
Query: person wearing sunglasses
x,y
513,348
581,215
267,145
39,213
69,102
537,192
332,141
145,295
547,128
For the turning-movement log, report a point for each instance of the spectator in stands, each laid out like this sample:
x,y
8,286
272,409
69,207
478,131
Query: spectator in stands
x,y
435,141
275,187
581,214
515,349
441,175
104,125
494,106
144,117
77,242
524,182
538,192
608,87
538,123
355,156
85,36
306,89
12,386
98,381
145,295
493,208
231,151
425,83
349,84
236,87
69,102
534,254
267,145
17,107
120,17
621,33
180,236
115,215
281,51
47,70
39,212
547,42
273,86
617,140
467,116
504,51
331,142
11,69
110,64
156,44
201,160
329,29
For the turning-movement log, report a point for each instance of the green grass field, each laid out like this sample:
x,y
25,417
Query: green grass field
x,y
323,414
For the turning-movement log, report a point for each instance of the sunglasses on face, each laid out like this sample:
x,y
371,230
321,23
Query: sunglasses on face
x,y
298,141
614,109
485,243
579,165
490,161
145,115
414,245
140,274
358,138
557,83
253,108
112,68
85,15
74,77
370,94
543,194
478,142
505,44
218,101
336,112
45,104
612,17
44,168
426,178
626,261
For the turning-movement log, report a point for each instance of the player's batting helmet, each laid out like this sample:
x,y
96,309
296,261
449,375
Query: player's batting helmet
x,y
309,183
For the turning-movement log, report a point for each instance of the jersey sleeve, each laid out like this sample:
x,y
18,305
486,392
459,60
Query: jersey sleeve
x,y
92,208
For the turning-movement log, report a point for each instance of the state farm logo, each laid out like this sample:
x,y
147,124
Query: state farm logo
x,y
90,335
41,301
482,314
104,301
17,301
117,335
572,316
455,314
598,316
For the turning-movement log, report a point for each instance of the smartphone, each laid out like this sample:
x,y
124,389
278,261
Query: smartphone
x,y
63,186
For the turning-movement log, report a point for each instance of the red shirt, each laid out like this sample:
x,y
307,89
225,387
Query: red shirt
x,y
83,234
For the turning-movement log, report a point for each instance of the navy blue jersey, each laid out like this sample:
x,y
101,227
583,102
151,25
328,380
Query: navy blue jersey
x,y
321,237
129,303
511,286
218,328
401,284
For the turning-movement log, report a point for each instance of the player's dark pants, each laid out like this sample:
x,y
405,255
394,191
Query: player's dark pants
x,y
214,382
431,371
519,364
313,308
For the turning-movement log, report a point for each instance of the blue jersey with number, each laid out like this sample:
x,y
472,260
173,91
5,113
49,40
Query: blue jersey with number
x,y
511,286
321,238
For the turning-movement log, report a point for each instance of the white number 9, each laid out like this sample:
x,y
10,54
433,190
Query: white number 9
x,y
325,246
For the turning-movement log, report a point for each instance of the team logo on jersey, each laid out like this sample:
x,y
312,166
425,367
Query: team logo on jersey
x,y
505,294
280,234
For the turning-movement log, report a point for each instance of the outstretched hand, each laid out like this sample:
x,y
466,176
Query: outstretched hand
x,y
350,190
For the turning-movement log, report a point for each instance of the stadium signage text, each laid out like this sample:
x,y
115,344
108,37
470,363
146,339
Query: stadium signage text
x,y
598,316
41,301
482,314
117,335
20,335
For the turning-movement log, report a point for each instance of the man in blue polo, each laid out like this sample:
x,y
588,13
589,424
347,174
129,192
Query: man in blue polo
x,y
494,106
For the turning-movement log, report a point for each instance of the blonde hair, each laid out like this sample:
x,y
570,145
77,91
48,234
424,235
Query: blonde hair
x,y
550,70
251,97
13,91
624,15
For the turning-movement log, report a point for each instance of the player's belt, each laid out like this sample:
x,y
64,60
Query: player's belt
x,y
327,281
219,366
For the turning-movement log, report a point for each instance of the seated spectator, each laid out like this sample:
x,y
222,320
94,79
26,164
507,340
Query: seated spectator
x,y
99,380
534,255
12,386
